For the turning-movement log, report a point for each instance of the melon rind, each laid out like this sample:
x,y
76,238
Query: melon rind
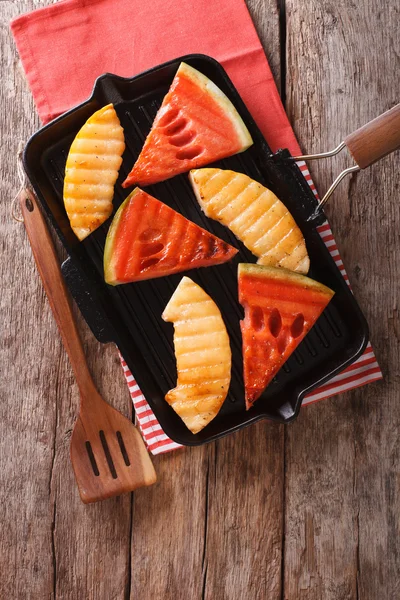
x,y
222,100
109,267
284,275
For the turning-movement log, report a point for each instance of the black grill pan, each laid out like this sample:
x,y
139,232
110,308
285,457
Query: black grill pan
x,y
130,315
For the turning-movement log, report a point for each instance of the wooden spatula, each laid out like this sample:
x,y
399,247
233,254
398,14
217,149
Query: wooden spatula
x,y
107,452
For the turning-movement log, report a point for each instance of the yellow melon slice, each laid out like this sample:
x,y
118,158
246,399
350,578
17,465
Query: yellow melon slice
x,y
254,214
203,355
91,171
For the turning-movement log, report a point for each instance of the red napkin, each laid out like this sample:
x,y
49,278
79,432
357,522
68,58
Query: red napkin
x,y
66,46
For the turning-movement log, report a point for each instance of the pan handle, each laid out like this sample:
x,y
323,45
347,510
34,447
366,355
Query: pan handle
x,y
366,145
376,139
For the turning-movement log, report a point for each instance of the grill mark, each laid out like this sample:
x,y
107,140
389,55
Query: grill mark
x,y
274,246
96,153
222,192
191,302
191,403
198,348
189,386
245,232
101,139
197,368
254,224
214,176
271,230
86,205
87,167
301,243
237,199
196,351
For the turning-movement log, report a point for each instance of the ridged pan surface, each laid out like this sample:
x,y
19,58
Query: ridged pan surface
x,y
130,315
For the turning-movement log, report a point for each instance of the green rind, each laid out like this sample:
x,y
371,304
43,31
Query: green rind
x,y
109,267
283,275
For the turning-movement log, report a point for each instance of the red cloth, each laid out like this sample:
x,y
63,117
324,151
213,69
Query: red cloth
x,y
66,46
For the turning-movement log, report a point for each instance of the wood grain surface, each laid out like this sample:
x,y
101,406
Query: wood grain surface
x,y
271,513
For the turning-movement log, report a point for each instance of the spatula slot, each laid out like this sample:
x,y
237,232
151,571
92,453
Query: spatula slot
x,y
123,449
108,455
92,458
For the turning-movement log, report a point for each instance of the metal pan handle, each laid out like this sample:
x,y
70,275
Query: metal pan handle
x,y
368,144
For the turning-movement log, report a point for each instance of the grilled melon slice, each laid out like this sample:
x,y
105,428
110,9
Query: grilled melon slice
x,y
91,171
254,214
203,355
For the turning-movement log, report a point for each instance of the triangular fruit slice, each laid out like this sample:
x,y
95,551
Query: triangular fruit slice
x,y
280,308
196,124
254,214
91,171
203,355
149,239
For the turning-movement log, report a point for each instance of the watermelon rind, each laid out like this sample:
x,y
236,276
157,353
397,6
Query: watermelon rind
x,y
109,266
220,98
283,275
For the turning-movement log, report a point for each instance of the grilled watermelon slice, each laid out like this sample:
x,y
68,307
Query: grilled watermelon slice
x,y
254,214
280,308
149,239
196,124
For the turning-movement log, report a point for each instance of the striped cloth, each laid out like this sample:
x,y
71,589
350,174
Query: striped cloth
x,y
362,371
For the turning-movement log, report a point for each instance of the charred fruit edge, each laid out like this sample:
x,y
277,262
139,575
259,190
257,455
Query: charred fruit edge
x,y
109,268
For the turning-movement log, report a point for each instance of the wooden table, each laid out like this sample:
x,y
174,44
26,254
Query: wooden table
x,y
308,511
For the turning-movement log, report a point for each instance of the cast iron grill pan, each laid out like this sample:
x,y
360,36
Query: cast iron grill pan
x,y
130,315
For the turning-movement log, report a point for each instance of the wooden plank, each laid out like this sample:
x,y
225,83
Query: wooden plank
x,y
168,528
52,546
342,479
266,16
243,557
212,527
27,411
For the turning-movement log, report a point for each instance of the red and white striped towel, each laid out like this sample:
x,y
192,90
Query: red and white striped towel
x,y
362,371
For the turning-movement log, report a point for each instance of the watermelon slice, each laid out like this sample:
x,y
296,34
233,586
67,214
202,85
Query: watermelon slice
x,y
196,124
280,308
149,239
